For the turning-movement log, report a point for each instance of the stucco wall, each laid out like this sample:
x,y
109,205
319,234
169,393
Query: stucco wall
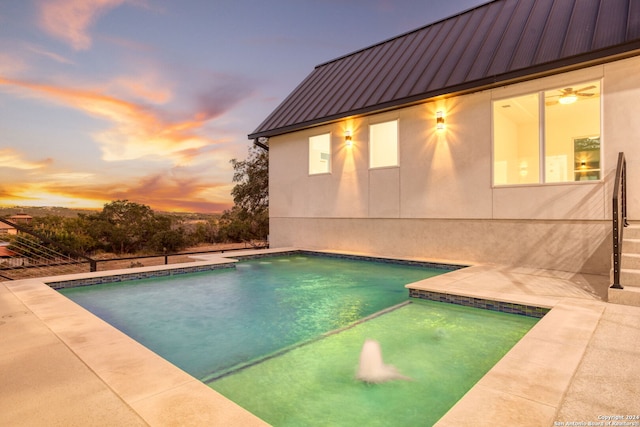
x,y
576,246
440,201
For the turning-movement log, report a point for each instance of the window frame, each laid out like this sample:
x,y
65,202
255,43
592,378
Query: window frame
x,y
330,154
542,128
372,143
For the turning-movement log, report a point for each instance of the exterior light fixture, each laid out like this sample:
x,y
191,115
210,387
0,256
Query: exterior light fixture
x,y
568,99
347,138
439,120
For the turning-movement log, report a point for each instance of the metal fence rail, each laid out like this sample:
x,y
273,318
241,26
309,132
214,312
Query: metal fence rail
x,y
32,258
34,255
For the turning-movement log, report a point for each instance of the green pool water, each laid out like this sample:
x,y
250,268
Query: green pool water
x,y
444,348
263,334
209,322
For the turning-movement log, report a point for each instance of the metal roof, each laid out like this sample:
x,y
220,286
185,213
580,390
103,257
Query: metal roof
x,y
500,41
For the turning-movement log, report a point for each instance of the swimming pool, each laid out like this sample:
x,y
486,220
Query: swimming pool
x,y
444,348
223,327
210,322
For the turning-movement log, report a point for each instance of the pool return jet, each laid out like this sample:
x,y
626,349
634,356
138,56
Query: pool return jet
x,y
372,369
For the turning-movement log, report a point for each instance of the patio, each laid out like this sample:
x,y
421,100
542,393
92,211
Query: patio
x,y
62,365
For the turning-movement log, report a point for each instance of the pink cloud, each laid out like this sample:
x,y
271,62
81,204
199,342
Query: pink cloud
x,y
70,20
169,190
161,191
148,88
10,158
196,179
48,54
138,131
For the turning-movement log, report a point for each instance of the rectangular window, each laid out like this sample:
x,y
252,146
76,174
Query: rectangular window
x,y
383,144
516,142
557,141
320,154
572,133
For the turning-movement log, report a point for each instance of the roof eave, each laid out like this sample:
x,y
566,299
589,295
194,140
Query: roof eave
x,y
609,54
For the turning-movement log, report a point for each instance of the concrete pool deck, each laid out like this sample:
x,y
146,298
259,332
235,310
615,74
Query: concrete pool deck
x,y
578,365
61,365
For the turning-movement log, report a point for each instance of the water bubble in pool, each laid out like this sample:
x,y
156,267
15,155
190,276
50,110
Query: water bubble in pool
x,y
440,334
372,368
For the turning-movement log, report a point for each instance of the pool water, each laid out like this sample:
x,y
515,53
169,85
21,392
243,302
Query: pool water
x,y
208,323
444,348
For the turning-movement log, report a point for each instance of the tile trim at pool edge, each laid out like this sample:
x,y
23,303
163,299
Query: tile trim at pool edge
x,y
217,262
527,386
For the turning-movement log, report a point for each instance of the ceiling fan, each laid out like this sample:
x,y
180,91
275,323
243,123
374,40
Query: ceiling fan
x,y
569,95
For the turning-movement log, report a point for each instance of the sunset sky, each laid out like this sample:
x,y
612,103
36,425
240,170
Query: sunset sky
x,y
149,100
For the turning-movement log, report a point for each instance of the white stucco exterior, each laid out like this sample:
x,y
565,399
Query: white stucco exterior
x,y
440,202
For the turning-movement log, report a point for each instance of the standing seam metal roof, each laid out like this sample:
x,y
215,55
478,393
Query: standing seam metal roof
x,y
493,43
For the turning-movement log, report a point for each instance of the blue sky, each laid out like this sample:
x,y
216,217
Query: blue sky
x,y
149,100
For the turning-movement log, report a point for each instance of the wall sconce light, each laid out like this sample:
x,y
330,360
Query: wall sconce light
x,y
347,138
583,163
439,120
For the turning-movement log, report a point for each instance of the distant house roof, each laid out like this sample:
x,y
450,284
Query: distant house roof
x,y
6,252
21,217
500,41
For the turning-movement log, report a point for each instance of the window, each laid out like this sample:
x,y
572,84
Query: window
x,y
568,119
516,151
572,133
320,154
383,144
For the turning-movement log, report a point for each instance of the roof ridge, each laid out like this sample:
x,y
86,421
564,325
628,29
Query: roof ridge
x,y
399,36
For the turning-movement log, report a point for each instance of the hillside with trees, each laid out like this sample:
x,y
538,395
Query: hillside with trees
x,y
125,227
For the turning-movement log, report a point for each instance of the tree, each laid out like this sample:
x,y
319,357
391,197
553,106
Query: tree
x,y
236,225
72,233
206,232
251,193
126,227
123,227
168,237
249,218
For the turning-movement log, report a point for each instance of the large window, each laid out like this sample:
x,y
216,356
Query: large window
x,y
383,144
320,154
551,136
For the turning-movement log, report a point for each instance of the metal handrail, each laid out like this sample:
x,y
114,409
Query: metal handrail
x,y
619,217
